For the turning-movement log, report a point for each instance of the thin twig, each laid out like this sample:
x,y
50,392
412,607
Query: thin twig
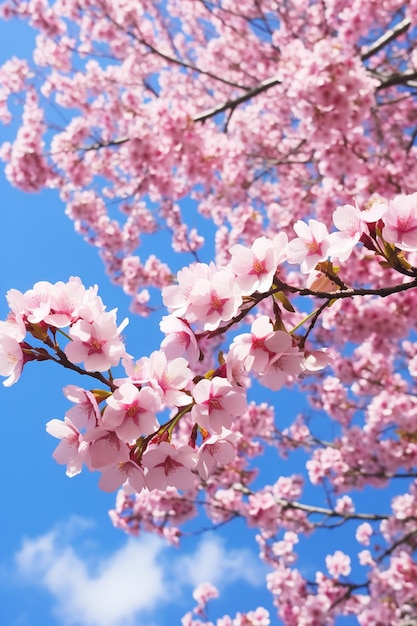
x,y
232,104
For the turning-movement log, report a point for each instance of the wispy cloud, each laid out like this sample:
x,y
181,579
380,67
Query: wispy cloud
x,y
213,562
127,586
102,591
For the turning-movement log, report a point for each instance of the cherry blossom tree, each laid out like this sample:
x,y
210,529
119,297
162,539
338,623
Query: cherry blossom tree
x,y
290,127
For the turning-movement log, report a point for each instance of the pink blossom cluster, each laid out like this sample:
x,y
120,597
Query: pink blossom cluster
x,y
125,440
206,592
109,439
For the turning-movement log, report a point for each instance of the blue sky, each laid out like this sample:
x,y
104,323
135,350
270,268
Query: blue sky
x,y
61,561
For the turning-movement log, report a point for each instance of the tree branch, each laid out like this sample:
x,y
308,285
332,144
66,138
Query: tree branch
x,y
232,104
383,292
397,79
386,38
311,510
62,359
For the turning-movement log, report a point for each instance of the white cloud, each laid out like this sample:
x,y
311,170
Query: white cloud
x,y
124,587
107,591
212,562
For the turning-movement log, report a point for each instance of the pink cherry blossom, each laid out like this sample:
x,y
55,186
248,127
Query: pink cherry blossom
x,y
12,358
338,564
262,121
66,299
169,466
131,412
255,267
216,299
102,447
177,297
68,450
315,360
97,344
216,403
34,305
137,371
251,348
218,449
127,473
364,533
400,222
169,378
180,339
286,361
348,221
205,592
351,223
311,246
86,413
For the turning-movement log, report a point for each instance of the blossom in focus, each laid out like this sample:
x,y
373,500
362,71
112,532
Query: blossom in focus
x,y
218,449
179,339
216,299
68,450
400,222
12,333
97,344
177,298
311,246
127,473
102,447
254,267
86,413
166,466
216,403
130,412
169,378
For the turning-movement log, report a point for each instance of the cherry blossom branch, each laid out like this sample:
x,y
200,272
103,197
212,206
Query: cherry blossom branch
x,y
104,144
394,32
383,292
404,539
173,59
314,319
311,510
397,79
232,104
318,510
65,362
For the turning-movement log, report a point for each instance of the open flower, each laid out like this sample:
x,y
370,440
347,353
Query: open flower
x,y
169,466
97,344
216,403
218,449
131,412
400,222
310,247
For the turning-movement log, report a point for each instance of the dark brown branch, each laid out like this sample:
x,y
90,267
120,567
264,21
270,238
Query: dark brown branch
x,y
313,322
202,117
382,292
108,144
232,104
386,38
397,79
404,539
62,359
